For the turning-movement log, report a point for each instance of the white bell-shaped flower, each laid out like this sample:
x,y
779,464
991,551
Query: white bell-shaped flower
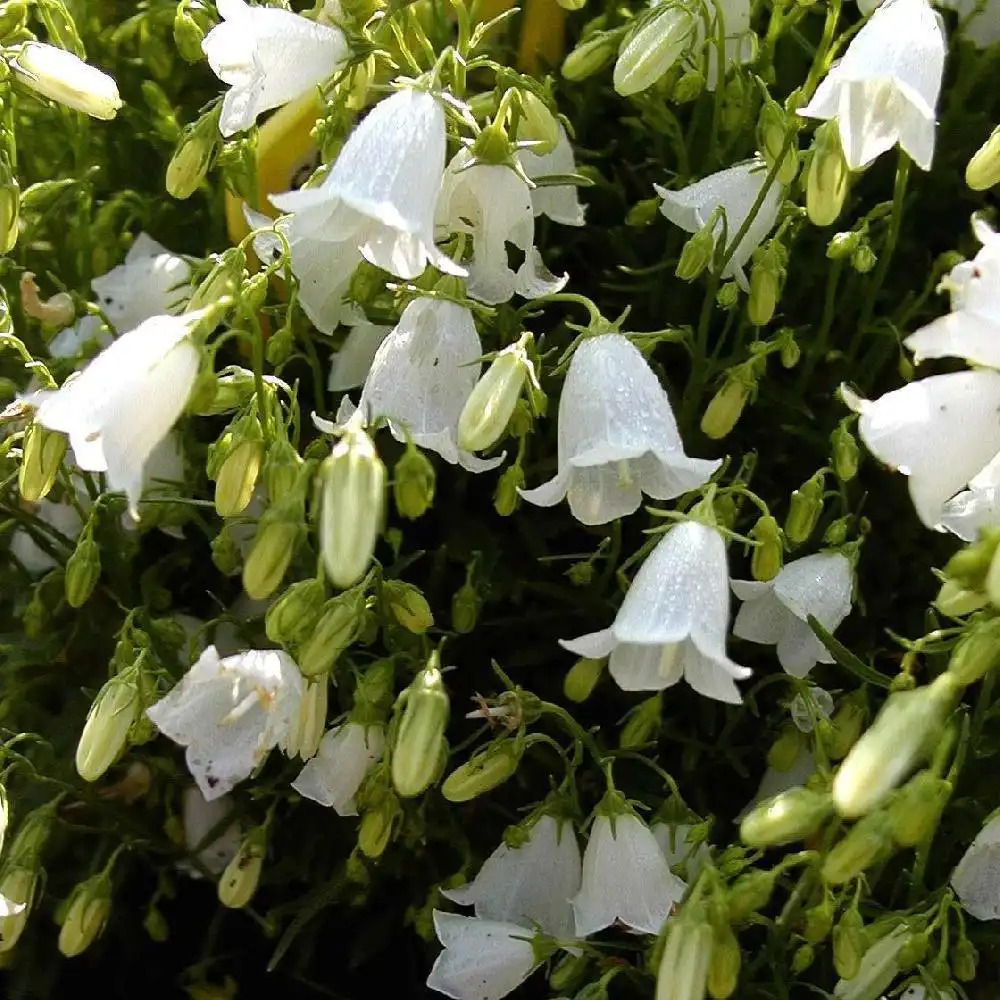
x,y
346,754
971,510
976,878
560,202
62,517
740,42
493,204
422,376
482,959
672,624
775,613
618,437
978,20
972,329
941,432
879,967
87,331
268,57
885,89
200,816
679,851
349,367
230,713
626,878
380,194
124,403
774,781
531,884
734,190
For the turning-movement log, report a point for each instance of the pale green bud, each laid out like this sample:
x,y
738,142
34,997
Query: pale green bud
x,y
696,254
652,47
737,104
590,56
849,944
827,179
338,626
413,484
749,893
464,609
804,510
282,469
866,842
375,829
222,281
408,606
17,886
643,213
724,966
687,953
568,973
863,259
844,449
231,390
582,678
964,958
772,127
846,725
978,651
239,881
689,87
237,476
87,913
225,553
483,772
970,565
105,733
843,245
60,75
416,754
726,406
789,817
188,34
908,725
790,351
273,547
955,600
193,157
767,558
643,722
10,205
537,124
293,616
491,402
507,499
42,454
786,748
83,570
728,295
766,280
817,921
352,507
983,170
916,810
804,956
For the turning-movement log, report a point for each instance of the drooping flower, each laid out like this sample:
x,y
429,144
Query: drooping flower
x,y
493,204
559,202
379,196
678,849
529,884
230,713
346,754
673,621
268,57
349,367
941,432
618,437
885,89
775,612
482,959
124,403
976,878
200,817
626,878
422,376
734,191
740,42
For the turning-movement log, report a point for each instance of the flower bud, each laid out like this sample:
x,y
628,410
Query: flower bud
x,y
375,829
908,725
772,127
236,476
293,616
352,506
826,181
63,77
749,893
849,944
786,749
793,815
643,213
765,563
188,34
727,404
483,772
697,252
817,921
105,733
790,351
643,722
954,600
464,609
728,296
866,842
239,881
192,158
844,449
83,570
590,56
42,453
970,565
507,499
223,281
864,258
651,48
416,754
689,87
491,402
87,913
914,951
916,810
582,678
273,547
225,552
537,124
408,606
804,510
804,956
17,886
10,206
413,483
964,958
978,651
338,626
843,245
983,170
687,953
724,965
846,725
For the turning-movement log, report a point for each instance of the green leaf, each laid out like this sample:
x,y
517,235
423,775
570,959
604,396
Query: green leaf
x,y
846,658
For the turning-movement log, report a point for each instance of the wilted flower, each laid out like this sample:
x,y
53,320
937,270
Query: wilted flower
x,y
529,884
734,191
885,88
230,714
493,204
626,878
775,612
618,437
559,202
673,621
268,57
124,403
976,879
346,754
482,959
349,367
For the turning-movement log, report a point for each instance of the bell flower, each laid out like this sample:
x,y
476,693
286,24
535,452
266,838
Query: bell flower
x,y
482,959
124,403
735,191
62,517
885,89
679,851
421,377
380,193
740,42
346,754
673,621
941,432
200,817
775,612
531,884
230,713
968,512
976,878
349,367
626,878
559,202
492,203
87,331
268,57
978,20
618,437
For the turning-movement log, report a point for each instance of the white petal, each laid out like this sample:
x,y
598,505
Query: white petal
x,y
958,335
818,585
599,494
595,645
346,754
762,618
324,271
713,674
967,512
351,364
636,667
550,493
69,342
678,851
200,816
976,879
560,202
799,650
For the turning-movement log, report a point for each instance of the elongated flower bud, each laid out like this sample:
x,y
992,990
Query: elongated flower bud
x,y
749,893
293,616
582,678
239,881
273,547
42,454
915,811
765,563
643,722
724,965
10,205
83,570
338,626
17,885
804,510
590,56
697,252
983,170
189,165
408,606
61,76
416,754
376,827
864,844
849,943
464,609
726,406
791,816
236,477
650,50
222,282
826,182
413,483
683,972
481,774
844,450
87,913
772,128
105,733
188,34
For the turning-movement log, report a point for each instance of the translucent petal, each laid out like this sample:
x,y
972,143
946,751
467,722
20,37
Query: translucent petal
x,y
63,517
200,817
550,493
762,618
667,474
346,754
638,667
324,271
871,116
678,851
967,512
350,365
799,650
595,644
713,674
599,494
560,202
958,335
976,879
818,585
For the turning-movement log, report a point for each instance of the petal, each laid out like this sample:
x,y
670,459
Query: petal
x,y
799,650
667,474
324,271
636,667
818,585
550,493
761,619
560,202
965,514
599,494
976,879
595,645
346,754
958,335
351,364
713,675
